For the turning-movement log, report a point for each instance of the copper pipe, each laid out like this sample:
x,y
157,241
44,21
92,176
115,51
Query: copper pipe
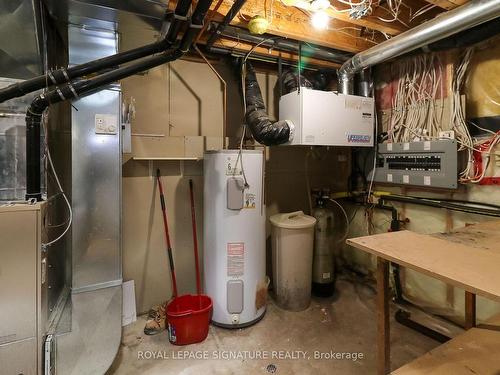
x,y
224,99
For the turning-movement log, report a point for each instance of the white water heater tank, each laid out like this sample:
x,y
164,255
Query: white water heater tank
x,y
234,221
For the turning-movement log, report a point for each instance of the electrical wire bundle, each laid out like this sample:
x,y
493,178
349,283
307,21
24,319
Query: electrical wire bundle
x,y
414,113
364,8
473,172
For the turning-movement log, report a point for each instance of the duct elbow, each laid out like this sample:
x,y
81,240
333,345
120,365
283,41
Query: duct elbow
x,y
266,132
37,106
262,128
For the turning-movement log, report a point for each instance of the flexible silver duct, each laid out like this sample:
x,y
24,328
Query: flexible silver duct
x,y
462,18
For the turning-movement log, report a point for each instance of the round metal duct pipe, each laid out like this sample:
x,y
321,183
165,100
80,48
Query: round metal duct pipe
x,y
454,21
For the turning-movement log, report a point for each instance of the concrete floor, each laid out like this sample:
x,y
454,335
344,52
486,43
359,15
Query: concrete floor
x,y
344,323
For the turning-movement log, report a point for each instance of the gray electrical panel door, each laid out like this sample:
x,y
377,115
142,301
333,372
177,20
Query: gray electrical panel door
x,y
426,163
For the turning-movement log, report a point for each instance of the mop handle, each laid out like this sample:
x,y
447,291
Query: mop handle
x,y
167,236
195,238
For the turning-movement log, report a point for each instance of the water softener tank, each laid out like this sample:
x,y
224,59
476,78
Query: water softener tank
x,y
234,220
323,280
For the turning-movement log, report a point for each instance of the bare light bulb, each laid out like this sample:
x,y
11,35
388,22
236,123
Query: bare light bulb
x,y
320,20
317,5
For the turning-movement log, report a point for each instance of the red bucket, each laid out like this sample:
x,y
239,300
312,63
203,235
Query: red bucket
x,y
188,318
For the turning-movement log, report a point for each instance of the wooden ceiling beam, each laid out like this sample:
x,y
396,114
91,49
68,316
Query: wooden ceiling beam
x,y
447,4
372,21
290,22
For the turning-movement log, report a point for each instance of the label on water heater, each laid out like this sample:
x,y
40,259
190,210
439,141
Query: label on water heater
x,y
235,259
249,200
233,166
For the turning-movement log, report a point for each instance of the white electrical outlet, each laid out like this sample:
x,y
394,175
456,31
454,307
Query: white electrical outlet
x,y
106,124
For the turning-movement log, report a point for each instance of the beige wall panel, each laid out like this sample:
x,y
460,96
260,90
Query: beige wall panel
x,y
196,100
156,147
144,251
150,91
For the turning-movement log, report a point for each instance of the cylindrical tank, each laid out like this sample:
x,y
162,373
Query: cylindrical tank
x,y
323,280
292,243
234,235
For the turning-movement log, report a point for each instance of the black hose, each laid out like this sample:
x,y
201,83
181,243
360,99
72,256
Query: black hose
x,y
442,204
89,86
63,75
263,130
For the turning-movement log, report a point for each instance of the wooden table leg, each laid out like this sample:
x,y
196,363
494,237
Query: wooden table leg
x,y
470,310
383,344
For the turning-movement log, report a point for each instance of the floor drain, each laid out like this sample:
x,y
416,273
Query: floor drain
x,y
271,369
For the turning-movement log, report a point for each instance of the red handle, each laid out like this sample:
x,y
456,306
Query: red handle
x,y
167,235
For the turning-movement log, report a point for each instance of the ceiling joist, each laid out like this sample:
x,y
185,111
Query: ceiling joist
x,y
447,4
343,33
290,22
373,21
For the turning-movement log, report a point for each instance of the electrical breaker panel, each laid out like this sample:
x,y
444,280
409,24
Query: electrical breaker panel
x,y
326,118
427,163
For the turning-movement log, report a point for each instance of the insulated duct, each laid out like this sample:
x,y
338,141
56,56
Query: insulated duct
x,y
74,90
64,75
454,21
263,130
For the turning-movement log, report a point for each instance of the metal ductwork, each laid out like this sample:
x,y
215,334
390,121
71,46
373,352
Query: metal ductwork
x,y
106,14
454,21
20,57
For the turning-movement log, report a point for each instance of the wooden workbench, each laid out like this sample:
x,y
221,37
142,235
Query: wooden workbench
x,y
468,258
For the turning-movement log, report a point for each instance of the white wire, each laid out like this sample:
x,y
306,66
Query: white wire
x,y
70,210
368,196
348,224
243,76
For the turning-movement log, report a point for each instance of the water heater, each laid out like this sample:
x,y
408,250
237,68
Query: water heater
x,y
234,236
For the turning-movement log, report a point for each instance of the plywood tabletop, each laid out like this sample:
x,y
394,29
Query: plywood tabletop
x,y
484,235
472,352
475,269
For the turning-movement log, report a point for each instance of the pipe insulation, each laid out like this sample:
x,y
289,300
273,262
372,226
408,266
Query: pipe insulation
x,y
63,75
85,87
454,21
262,128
